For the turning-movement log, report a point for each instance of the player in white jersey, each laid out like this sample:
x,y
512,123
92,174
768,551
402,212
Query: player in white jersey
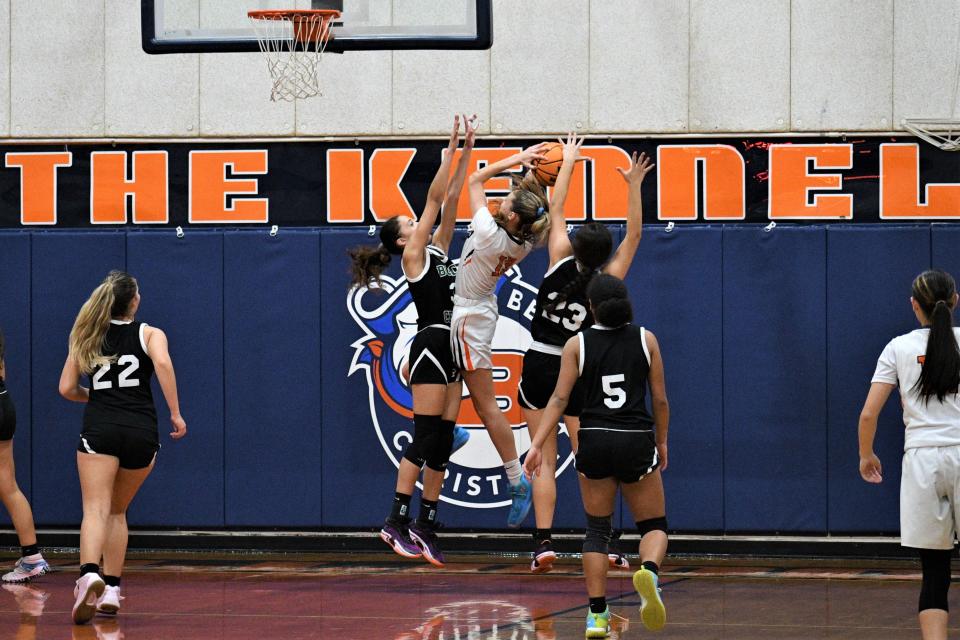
x,y
497,243
925,366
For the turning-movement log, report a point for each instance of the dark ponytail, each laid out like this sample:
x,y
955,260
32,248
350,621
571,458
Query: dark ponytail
x,y
592,245
367,264
609,300
934,292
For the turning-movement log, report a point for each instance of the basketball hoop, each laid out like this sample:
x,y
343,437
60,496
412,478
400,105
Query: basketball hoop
x,y
941,133
292,42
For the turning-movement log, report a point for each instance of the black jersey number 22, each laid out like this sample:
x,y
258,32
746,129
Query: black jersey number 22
x,y
132,363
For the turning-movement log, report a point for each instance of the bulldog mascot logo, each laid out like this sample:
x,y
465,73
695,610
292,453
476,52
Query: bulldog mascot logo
x,y
388,320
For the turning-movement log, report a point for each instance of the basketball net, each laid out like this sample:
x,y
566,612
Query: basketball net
x,y
293,42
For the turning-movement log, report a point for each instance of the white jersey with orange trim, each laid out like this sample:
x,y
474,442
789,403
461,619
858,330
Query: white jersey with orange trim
x,y
487,254
928,423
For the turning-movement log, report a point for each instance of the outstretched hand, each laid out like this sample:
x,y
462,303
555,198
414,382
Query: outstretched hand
x,y
528,155
454,141
640,166
470,124
571,147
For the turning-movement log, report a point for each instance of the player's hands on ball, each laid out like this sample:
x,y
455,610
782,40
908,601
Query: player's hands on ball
x,y
640,166
531,465
528,155
179,427
870,469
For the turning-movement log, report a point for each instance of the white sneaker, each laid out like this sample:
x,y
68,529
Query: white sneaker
x,y
109,602
89,588
26,569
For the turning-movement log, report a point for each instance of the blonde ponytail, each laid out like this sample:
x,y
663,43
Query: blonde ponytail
x,y
93,320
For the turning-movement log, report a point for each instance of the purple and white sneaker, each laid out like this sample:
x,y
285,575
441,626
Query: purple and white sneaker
x,y
425,537
397,535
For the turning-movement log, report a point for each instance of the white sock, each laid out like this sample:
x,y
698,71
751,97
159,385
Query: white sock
x,y
514,471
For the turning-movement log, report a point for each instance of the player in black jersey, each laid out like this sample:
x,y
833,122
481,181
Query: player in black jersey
x,y
119,441
562,310
620,444
31,563
434,380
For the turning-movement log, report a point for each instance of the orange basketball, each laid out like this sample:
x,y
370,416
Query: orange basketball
x,y
546,170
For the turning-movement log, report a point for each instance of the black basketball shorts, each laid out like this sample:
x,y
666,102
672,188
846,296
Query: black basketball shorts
x,y
8,416
539,379
624,455
431,361
134,447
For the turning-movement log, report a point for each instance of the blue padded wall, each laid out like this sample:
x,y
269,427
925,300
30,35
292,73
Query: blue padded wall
x,y
65,267
870,271
272,378
181,289
774,355
15,324
676,290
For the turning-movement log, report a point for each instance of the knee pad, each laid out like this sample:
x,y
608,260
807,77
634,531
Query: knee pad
x,y
424,427
599,532
653,524
436,451
936,578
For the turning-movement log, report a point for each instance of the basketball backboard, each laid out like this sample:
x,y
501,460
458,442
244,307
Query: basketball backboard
x,y
200,26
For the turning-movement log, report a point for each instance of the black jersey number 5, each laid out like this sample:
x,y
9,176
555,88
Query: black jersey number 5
x,y
616,397
577,310
124,380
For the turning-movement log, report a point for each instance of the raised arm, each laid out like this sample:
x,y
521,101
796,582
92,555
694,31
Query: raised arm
x,y
413,251
870,469
159,351
558,242
70,383
448,219
569,372
658,398
478,196
639,168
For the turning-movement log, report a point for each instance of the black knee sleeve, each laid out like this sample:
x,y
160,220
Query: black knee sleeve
x,y
599,532
936,578
653,524
437,449
424,429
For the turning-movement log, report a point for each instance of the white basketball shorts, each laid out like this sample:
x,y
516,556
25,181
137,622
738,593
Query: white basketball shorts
x,y
929,493
472,328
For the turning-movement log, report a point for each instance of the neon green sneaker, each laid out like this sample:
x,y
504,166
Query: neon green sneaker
x,y
598,624
652,612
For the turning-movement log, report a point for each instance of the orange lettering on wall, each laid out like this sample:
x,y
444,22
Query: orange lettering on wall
x,y
723,177
345,185
387,168
506,376
791,183
211,190
109,187
900,187
480,158
609,187
38,184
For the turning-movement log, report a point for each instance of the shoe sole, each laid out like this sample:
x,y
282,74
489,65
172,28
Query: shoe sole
x,y
85,606
396,548
543,564
426,555
26,578
598,633
108,609
652,612
618,562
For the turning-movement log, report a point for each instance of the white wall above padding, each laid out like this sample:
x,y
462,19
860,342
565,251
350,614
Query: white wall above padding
x,y
539,67
426,92
57,74
356,96
725,93
842,65
148,95
4,69
925,43
639,59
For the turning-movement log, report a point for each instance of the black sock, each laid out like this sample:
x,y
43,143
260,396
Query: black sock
x,y
29,550
112,581
90,567
650,565
598,605
401,507
542,535
428,512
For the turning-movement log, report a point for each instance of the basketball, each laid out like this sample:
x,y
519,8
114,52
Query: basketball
x,y
546,171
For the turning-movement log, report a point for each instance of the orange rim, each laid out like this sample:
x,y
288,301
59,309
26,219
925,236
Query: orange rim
x,y
301,18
